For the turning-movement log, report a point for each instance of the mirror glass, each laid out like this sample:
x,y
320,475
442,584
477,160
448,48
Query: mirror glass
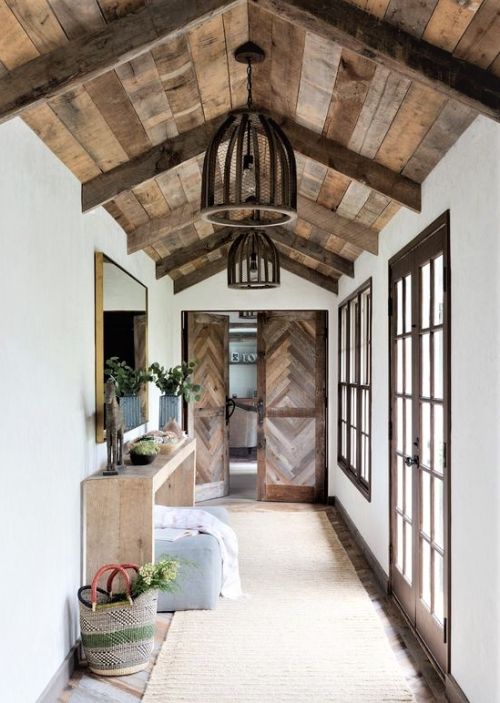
x,y
121,332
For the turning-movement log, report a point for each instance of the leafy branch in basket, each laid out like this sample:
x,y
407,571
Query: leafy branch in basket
x,y
159,576
177,380
128,381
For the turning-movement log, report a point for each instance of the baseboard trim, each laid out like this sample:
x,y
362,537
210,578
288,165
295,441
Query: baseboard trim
x,y
60,680
453,691
380,575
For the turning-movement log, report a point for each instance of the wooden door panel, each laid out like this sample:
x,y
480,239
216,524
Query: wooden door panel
x,y
208,343
291,387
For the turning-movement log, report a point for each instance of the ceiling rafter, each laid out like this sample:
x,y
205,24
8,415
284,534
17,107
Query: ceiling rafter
x,y
163,157
201,274
187,255
158,228
92,55
393,48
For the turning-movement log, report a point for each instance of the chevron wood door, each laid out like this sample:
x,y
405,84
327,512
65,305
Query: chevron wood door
x,y
208,342
291,383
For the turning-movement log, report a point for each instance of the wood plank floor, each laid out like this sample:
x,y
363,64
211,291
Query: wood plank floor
x,y
421,676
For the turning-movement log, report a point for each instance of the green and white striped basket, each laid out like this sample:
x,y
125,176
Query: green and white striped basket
x,y
117,635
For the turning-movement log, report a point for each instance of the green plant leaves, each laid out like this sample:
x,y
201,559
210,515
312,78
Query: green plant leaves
x,y
128,381
176,380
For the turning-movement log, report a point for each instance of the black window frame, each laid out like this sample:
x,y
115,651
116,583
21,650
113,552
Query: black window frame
x,y
353,471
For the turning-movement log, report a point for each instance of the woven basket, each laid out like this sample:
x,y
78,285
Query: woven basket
x,y
117,633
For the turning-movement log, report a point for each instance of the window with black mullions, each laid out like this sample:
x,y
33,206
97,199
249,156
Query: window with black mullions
x,y
354,390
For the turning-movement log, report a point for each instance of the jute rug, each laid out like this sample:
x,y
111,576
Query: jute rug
x,y
306,631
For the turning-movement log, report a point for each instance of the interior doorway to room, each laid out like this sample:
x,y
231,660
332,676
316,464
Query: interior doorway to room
x,y
420,421
261,419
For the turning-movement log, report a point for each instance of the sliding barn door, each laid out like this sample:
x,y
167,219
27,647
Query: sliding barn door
x,y
208,343
420,421
291,406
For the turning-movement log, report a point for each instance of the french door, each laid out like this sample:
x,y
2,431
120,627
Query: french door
x,y
420,423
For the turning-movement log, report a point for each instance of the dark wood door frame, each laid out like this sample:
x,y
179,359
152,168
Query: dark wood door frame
x,y
442,222
184,348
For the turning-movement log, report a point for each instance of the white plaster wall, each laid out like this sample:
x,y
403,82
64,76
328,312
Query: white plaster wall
x,y
47,391
467,182
295,293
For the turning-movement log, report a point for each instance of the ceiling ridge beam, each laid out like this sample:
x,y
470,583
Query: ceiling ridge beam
x,y
201,274
91,55
308,274
395,49
312,250
186,255
175,151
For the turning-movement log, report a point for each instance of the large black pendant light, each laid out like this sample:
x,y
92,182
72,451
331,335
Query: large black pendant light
x,y
253,261
249,173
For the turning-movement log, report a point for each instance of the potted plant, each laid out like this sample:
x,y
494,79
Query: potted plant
x,y
128,382
174,383
143,452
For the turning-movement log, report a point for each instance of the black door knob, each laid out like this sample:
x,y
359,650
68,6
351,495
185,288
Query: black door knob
x,y
412,460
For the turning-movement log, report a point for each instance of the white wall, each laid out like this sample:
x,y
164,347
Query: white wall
x,y
467,182
47,411
120,291
294,294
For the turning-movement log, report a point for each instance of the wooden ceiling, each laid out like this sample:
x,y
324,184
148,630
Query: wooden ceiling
x,y
372,95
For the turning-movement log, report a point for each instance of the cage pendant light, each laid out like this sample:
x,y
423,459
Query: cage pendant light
x,y
249,173
253,261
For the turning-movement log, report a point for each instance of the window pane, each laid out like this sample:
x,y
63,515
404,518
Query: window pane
x,y
343,343
399,545
425,573
399,366
438,439
438,586
425,499
400,483
408,490
425,294
426,365
438,313
399,297
408,365
408,320
438,517
399,424
425,435
409,427
408,551
352,340
438,364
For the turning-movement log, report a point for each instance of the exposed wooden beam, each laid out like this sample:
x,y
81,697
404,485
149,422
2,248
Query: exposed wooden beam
x,y
155,161
186,255
327,220
91,55
165,156
311,249
160,227
353,165
201,274
394,48
307,273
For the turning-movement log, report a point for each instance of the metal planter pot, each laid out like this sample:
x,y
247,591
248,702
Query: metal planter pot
x,y
131,409
170,409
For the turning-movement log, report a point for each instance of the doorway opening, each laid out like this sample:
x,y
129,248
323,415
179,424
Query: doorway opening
x,y
260,423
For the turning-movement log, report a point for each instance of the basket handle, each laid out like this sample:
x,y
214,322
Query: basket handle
x,y
118,568
111,577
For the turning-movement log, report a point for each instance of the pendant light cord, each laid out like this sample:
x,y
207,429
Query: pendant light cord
x,y
249,84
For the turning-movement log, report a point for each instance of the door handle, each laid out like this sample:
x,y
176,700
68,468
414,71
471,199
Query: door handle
x,y
412,460
260,412
230,407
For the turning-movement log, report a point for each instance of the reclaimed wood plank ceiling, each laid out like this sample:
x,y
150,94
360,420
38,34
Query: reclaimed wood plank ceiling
x,y
131,119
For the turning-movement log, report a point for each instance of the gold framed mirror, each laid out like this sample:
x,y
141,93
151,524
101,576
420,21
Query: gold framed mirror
x,y
121,330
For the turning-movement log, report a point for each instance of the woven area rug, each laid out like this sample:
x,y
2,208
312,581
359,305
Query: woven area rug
x,y
306,631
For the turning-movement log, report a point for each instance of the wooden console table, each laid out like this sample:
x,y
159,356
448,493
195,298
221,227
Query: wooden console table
x,y
118,510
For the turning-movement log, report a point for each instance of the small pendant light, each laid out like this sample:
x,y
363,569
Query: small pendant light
x,y
249,173
253,261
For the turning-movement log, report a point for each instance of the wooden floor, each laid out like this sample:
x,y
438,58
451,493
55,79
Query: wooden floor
x,y
421,676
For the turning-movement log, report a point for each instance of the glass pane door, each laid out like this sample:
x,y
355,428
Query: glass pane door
x,y
419,420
